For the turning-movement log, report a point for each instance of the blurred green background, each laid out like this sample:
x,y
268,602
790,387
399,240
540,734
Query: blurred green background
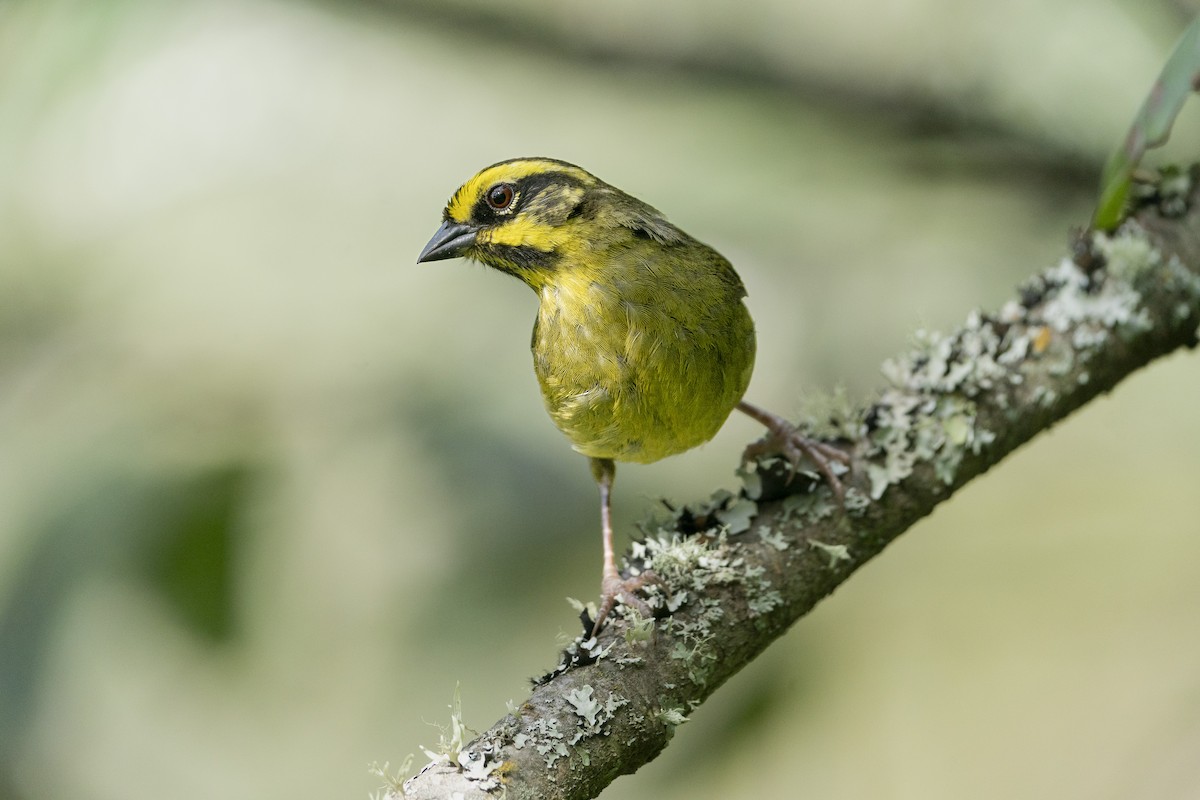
x,y
269,490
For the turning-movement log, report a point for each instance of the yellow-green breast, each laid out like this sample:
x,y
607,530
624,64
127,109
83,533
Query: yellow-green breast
x,y
646,359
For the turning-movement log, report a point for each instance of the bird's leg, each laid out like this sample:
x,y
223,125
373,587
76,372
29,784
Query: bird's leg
x,y
783,438
612,585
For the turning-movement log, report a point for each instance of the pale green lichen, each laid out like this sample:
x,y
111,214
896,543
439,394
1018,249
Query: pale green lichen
x,y
775,539
552,741
808,508
480,761
751,480
593,713
717,501
1090,312
676,559
761,596
835,552
930,414
964,362
693,564
672,717
638,629
1127,255
544,736
856,502
393,782
450,737
736,517
763,601
1183,283
695,650
1173,191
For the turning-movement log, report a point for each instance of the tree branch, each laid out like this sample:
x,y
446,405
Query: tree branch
x,y
738,571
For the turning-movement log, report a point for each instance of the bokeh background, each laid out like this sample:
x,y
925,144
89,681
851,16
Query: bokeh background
x,y
269,490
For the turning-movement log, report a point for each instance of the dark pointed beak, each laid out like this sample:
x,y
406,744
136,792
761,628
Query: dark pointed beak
x,y
450,241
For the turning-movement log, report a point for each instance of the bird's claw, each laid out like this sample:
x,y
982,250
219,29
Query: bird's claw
x,y
613,588
783,439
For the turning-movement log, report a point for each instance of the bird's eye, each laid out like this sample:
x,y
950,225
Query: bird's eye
x,y
500,196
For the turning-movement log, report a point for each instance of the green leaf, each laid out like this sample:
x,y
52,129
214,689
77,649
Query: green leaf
x,y
1179,78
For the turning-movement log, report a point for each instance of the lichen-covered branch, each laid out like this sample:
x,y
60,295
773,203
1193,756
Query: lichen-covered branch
x,y
737,570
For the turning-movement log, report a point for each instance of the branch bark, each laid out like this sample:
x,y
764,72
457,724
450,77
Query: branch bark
x,y
737,571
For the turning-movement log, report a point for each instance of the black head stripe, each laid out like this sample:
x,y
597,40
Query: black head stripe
x,y
532,185
526,190
520,258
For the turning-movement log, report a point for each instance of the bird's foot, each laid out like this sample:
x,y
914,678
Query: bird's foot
x,y
783,439
613,588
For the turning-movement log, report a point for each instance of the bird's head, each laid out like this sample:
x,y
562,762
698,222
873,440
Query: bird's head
x,y
518,216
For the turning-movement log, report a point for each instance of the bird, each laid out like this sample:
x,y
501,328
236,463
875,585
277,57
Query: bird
x,y
643,344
